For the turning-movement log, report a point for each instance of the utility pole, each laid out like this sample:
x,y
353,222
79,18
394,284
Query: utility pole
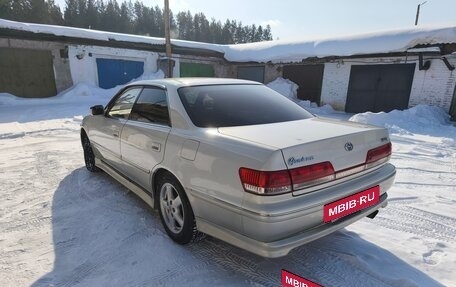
x,y
168,40
418,12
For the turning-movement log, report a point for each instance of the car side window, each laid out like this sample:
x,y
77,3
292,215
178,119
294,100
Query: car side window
x,y
123,104
151,107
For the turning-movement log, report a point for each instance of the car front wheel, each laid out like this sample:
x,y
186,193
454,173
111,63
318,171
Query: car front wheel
x,y
175,211
89,157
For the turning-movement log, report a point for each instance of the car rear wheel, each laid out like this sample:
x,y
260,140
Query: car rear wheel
x,y
175,211
89,157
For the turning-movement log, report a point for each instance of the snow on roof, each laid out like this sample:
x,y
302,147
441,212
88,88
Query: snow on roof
x,y
272,51
102,35
372,43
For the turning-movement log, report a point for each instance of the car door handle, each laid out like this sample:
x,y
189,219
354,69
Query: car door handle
x,y
156,146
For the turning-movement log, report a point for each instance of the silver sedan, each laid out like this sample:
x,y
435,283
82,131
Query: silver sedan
x,y
238,161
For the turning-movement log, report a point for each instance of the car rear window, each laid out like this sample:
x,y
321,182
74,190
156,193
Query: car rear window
x,y
238,105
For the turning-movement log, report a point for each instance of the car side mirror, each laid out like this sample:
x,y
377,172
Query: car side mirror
x,y
97,110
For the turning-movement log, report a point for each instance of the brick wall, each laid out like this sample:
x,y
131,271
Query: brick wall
x,y
435,86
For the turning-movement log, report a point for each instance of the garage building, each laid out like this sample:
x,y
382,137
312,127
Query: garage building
x,y
373,72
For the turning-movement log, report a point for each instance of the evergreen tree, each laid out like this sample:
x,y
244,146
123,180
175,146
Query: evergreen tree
x,y
135,18
71,14
125,25
92,15
35,11
226,37
259,34
267,36
216,31
5,8
54,14
252,33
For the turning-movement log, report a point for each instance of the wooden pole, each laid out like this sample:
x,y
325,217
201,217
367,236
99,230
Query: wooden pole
x,y
168,40
417,14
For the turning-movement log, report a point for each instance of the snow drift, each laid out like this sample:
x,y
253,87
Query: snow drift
x,y
289,89
419,119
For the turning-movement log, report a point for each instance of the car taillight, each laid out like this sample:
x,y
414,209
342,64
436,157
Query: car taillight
x,y
282,181
378,155
265,182
312,174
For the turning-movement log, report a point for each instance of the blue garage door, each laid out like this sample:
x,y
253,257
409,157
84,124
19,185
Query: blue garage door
x,y
113,72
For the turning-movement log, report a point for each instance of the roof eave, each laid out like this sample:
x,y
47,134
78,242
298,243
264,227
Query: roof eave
x,y
27,35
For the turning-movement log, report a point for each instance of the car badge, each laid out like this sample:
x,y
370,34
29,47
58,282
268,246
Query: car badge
x,y
348,146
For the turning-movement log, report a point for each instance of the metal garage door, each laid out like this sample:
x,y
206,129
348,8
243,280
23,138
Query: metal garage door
x,y
379,88
255,73
308,78
196,70
27,73
113,72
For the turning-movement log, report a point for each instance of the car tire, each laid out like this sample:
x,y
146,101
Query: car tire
x,y
89,156
176,214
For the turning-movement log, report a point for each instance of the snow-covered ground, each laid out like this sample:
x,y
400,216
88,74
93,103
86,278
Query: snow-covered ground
x,y
63,226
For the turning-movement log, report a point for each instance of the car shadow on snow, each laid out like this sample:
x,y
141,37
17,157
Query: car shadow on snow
x,y
105,236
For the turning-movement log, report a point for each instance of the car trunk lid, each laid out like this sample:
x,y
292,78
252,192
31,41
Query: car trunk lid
x,y
315,140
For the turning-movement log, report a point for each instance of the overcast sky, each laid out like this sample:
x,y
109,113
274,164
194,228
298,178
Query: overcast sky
x,y
307,19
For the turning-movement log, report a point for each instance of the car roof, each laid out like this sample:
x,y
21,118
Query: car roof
x,y
183,82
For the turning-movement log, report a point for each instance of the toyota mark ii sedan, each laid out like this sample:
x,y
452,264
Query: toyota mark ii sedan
x,y
238,161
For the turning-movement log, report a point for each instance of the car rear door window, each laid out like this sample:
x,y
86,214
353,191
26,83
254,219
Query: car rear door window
x,y
122,106
151,107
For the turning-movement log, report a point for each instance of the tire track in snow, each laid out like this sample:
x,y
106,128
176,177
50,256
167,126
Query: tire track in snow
x,y
29,225
315,264
417,222
234,260
48,168
212,255
315,260
444,220
82,190
95,262
403,158
178,269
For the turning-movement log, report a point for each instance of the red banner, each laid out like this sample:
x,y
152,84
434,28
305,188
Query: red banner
x,y
351,204
293,280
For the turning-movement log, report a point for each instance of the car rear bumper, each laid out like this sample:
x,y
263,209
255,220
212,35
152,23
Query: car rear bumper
x,y
283,246
271,228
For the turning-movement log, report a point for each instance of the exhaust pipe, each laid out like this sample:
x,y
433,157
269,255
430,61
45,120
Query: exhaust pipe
x,y
373,214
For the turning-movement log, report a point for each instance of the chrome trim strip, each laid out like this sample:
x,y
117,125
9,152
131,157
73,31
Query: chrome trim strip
x,y
105,149
211,199
143,194
135,165
338,180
